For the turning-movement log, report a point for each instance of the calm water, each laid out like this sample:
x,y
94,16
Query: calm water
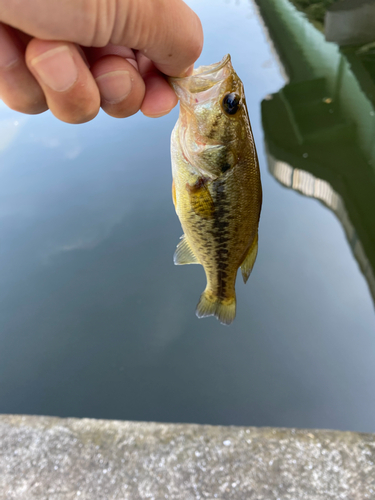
x,y
96,321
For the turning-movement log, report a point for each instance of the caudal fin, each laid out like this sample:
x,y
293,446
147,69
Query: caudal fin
x,y
223,309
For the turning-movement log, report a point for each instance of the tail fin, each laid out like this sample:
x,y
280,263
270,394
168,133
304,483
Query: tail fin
x,y
223,309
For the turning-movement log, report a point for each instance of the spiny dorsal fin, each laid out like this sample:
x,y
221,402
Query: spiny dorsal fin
x,y
184,253
248,263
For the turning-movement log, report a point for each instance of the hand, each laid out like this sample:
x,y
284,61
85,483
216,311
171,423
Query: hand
x,y
73,56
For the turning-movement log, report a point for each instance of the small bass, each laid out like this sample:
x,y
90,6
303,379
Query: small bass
x,y
216,186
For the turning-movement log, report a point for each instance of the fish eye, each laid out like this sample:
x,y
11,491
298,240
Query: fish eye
x,y
231,103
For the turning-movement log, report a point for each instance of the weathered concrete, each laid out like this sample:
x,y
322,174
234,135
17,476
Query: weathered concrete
x,y
59,459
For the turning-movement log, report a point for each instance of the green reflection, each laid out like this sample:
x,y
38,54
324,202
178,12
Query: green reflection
x,y
319,129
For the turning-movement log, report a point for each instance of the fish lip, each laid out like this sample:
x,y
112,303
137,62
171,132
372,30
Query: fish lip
x,y
203,70
202,79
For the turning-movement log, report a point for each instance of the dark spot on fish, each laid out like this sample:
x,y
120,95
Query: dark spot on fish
x,y
220,236
213,128
225,167
219,191
199,183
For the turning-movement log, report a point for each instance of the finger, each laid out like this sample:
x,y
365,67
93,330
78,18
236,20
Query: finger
x,y
167,31
18,88
22,37
120,85
95,53
68,85
159,99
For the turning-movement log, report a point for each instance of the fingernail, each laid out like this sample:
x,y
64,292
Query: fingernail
x,y
114,86
189,71
158,115
56,68
133,62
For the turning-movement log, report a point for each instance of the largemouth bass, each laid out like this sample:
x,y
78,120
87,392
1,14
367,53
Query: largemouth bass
x,y
216,186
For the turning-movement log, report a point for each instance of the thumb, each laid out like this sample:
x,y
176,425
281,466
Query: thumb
x,y
167,31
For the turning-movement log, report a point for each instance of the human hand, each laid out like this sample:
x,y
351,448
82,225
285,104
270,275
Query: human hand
x,y
73,56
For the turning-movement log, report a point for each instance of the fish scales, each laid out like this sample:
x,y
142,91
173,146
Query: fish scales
x,y
216,183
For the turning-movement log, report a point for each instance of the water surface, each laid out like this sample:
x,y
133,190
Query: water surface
x,y
96,321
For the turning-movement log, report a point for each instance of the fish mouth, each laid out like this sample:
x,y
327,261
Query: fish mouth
x,y
205,70
203,78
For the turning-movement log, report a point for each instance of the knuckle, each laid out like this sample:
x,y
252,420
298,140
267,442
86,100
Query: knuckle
x,y
102,17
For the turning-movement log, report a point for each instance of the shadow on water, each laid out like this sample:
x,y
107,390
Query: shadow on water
x,y
319,128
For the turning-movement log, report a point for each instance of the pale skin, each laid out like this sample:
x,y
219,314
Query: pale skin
x,y
75,56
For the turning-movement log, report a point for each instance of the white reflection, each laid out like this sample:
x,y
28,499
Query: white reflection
x,y
48,142
84,238
283,172
73,152
304,182
9,129
308,185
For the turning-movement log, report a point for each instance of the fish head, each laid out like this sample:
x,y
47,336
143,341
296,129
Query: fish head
x,y
213,117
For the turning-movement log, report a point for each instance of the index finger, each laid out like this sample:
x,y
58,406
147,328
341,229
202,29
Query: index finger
x,y
167,31
170,33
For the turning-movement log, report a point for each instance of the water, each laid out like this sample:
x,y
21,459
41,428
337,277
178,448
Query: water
x,y
95,321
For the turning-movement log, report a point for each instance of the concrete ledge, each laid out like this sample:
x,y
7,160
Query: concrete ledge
x,y
59,459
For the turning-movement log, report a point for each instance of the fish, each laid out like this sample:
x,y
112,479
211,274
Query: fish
x,y
216,187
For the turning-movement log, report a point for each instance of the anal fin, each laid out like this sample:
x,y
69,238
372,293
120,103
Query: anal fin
x,y
184,253
248,263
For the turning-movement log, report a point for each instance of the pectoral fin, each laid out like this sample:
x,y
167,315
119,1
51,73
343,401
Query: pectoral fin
x,y
210,160
184,253
248,263
200,199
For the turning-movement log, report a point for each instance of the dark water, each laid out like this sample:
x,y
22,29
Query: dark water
x,y
95,321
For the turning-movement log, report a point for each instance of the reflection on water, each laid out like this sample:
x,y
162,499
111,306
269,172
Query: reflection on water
x,y
96,321
308,185
350,22
319,128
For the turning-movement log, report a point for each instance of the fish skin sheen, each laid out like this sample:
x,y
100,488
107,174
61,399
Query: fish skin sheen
x,y
216,187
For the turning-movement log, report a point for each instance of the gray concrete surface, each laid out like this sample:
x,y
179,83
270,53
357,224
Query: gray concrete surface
x,y
59,459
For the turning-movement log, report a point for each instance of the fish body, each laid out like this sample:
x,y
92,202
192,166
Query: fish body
x,y
216,183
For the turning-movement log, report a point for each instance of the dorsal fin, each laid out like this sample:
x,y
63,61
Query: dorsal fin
x,y
184,253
